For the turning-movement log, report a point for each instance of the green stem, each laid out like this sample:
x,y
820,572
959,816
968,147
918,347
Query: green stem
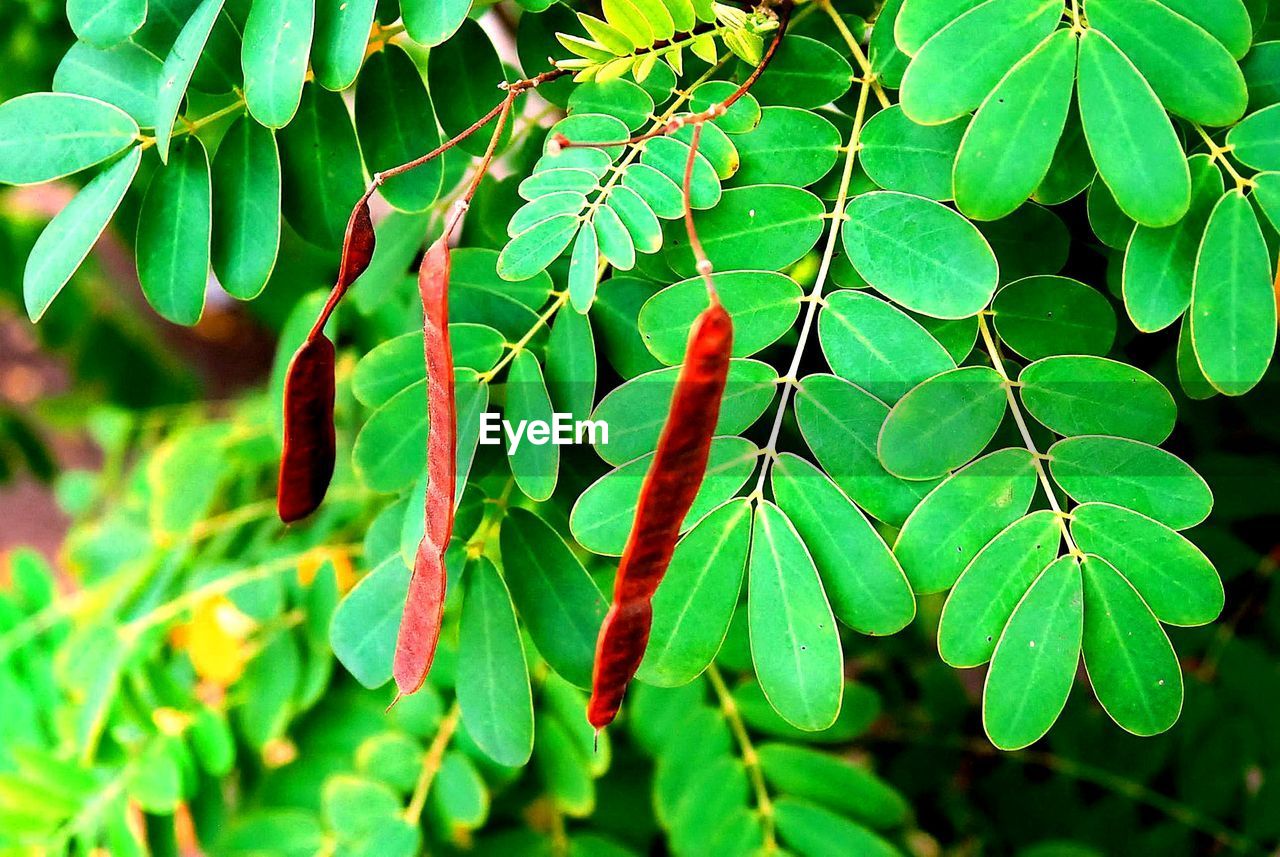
x,y
814,298
750,758
993,351
431,765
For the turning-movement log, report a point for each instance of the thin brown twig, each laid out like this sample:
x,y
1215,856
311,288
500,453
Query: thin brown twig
x,y
500,111
703,264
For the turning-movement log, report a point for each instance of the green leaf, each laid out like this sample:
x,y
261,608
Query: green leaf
x,y
804,73
563,772
354,807
961,515
1174,578
48,135
920,253
658,190
920,20
246,208
957,68
602,516
900,155
788,146
877,346
873,597
1228,21
178,67
621,99
543,207
460,99
479,295
66,241
1190,377
942,423
697,597
493,679
1131,474
838,784
530,252
399,362
1159,264
458,795
1110,224
584,270
887,61
715,146
431,22
816,832
639,219
1233,304
125,75
322,171
184,475
637,410
669,157
392,758
571,365
841,424
1035,662
1254,141
1132,141
763,305
560,605
762,227
742,116
553,181
341,37
1071,170
390,451
1190,71
991,586
395,123
277,40
1131,664
1009,146
795,644
1092,395
104,23
535,461
613,239
173,235
1044,316
365,625
1033,240
153,778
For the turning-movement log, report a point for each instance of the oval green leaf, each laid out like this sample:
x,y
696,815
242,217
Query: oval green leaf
x,y
1132,141
1131,474
795,644
870,593
942,423
920,254
1093,395
762,304
961,515
991,586
1035,662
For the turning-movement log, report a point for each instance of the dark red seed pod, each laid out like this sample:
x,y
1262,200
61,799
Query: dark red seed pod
x,y
307,463
424,606
669,488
